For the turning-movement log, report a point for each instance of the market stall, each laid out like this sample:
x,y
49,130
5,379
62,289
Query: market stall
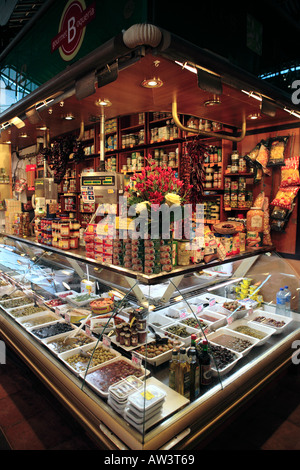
x,y
143,203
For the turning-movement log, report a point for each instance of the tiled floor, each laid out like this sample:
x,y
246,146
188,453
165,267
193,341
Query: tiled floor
x,y
32,419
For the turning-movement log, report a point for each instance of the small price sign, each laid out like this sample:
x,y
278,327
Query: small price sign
x,y
230,320
212,302
136,360
106,341
199,308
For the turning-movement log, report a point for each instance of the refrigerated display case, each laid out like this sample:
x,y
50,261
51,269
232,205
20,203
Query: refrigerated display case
x,y
120,393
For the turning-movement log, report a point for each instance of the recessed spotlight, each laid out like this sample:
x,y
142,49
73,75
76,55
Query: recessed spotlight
x,y
23,135
253,116
103,102
214,101
152,83
69,117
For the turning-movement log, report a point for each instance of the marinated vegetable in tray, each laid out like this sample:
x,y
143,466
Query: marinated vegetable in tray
x,y
111,373
93,358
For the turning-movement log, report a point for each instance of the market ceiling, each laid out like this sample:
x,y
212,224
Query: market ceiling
x,y
214,78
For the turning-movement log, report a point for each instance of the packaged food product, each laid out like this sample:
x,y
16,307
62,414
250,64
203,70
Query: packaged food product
x,y
266,233
259,201
252,155
285,197
255,227
263,157
277,147
290,172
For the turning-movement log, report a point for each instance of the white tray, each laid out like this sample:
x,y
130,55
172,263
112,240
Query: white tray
x,y
104,392
220,372
187,340
47,342
272,316
13,311
88,347
71,299
159,359
220,319
256,326
226,331
23,320
33,329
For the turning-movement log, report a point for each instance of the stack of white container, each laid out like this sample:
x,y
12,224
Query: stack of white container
x,y
139,403
144,407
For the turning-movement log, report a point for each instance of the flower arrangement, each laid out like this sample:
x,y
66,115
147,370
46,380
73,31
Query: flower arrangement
x,y
156,185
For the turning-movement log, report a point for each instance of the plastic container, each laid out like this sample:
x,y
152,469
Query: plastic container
x,y
288,296
280,301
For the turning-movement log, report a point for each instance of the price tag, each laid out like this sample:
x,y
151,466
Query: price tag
x,y
230,319
68,317
87,330
183,314
106,341
250,311
212,302
136,360
199,308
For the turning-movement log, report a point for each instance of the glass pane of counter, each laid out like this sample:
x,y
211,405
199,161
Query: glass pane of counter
x,y
129,330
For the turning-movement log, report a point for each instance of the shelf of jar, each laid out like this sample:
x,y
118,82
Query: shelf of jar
x,y
239,174
236,208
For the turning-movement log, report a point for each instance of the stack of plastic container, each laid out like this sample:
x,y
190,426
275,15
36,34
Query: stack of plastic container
x,y
144,407
118,393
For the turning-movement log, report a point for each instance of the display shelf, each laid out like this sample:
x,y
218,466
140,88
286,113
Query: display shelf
x,y
193,420
153,279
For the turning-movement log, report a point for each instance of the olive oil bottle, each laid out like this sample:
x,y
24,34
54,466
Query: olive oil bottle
x,y
194,374
184,368
173,369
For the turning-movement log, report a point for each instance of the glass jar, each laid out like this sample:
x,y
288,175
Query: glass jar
x,y
64,228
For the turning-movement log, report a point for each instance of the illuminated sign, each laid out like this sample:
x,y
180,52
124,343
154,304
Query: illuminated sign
x,y
72,28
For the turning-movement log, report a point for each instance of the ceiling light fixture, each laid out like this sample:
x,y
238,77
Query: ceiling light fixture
x,y
251,94
23,135
152,83
103,102
17,122
253,116
69,117
293,113
214,101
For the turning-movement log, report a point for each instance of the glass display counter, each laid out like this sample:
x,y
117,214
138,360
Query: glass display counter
x,y
101,338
